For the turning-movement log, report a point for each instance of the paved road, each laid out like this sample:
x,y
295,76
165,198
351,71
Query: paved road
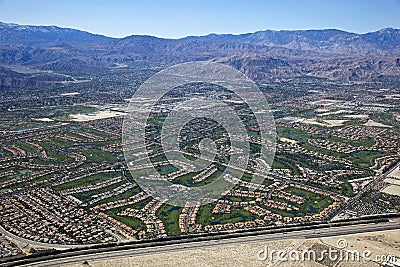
x,y
303,234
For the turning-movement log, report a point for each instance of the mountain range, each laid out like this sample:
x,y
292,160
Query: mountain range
x,y
263,55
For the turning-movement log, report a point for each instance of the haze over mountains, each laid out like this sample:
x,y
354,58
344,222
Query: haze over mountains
x,y
263,55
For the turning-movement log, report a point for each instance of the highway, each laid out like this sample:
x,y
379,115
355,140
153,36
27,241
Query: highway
x,y
300,234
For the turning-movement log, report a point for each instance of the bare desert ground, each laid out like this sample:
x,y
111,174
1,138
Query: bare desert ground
x,y
287,140
395,173
392,190
394,183
376,124
357,116
103,114
335,123
327,123
376,246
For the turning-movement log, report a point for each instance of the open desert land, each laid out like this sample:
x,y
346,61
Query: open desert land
x,y
103,114
376,124
379,243
392,190
321,110
70,94
325,123
334,123
395,173
357,116
325,102
393,96
288,140
394,183
43,119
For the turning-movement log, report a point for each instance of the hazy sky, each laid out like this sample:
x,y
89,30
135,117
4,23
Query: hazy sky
x,y
178,18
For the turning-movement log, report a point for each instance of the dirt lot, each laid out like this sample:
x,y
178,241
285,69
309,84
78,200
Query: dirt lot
x,y
380,243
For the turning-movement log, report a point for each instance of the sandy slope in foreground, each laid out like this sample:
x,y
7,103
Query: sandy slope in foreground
x,y
380,243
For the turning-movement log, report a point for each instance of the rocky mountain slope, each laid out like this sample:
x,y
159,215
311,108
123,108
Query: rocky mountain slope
x,y
263,55
383,41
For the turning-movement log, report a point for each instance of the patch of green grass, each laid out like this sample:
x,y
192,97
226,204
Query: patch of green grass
x,y
26,183
50,146
141,204
7,169
238,214
75,135
27,148
132,222
366,142
158,158
85,196
169,215
287,163
96,132
277,164
240,199
185,179
313,204
5,153
165,169
247,177
124,195
83,166
88,180
17,173
97,155
365,159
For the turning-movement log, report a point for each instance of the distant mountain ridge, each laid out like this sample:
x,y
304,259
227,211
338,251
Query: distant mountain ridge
x,y
327,40
332,54
330,40
11,33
